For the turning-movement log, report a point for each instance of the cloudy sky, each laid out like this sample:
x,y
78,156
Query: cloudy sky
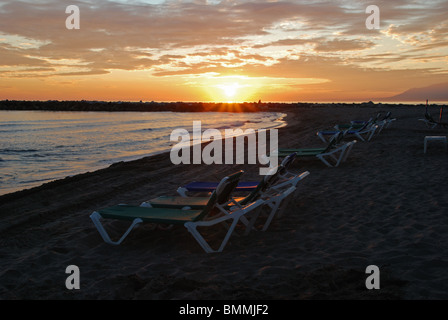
x,y
229,50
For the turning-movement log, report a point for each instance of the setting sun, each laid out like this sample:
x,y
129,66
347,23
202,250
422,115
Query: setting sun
x,y
230,90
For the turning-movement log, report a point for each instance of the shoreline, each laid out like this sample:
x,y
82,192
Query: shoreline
x,y
369,211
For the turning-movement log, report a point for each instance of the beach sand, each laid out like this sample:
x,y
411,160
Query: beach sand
x,y
386,206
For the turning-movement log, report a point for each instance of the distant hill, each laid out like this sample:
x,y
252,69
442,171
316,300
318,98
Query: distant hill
x,y
437,92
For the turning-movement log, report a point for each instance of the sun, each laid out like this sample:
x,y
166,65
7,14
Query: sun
x,y
230,90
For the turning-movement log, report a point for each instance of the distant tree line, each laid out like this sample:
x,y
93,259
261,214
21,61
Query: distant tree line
x,y
101,106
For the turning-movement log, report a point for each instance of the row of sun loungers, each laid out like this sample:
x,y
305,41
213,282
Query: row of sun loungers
x,y
267,197
337,151
221,207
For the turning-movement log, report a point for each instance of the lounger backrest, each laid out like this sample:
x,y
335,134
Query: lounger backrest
x,y
368,123
377,117
267,181
286,163
387,116
334,141
223,192
272,177
227,186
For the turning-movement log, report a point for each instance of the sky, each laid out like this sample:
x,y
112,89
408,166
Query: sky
x,y
229,50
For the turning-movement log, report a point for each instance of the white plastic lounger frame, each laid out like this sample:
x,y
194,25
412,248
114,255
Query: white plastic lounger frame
x,y
96,218
338,155
234,217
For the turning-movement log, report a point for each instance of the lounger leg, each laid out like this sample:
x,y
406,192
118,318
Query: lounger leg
x,y
96,218
277,205
324,161
234,216
274,205
321,137
251,225
228,234
360,137
338,160
285,202
373,133
341,157
347,152
192,228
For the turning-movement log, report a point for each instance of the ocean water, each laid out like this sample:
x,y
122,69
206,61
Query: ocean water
x,y
38,146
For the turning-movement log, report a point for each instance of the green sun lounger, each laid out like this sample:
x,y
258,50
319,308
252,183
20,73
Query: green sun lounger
x,y
191,219
333,155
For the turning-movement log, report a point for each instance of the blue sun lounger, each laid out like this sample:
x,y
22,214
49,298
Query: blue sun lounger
x,y
244,186
211,186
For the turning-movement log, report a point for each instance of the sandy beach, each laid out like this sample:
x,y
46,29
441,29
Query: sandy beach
x,y
386,206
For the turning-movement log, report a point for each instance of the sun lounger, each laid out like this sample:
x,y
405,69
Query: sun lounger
x,y
382,123
357,124
333,155
365,133
191,219
244,186
431,123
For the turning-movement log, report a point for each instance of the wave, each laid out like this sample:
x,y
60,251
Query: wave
x,y
18,150
234,125
142,130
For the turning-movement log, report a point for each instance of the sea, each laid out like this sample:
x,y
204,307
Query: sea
x,y
37,147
